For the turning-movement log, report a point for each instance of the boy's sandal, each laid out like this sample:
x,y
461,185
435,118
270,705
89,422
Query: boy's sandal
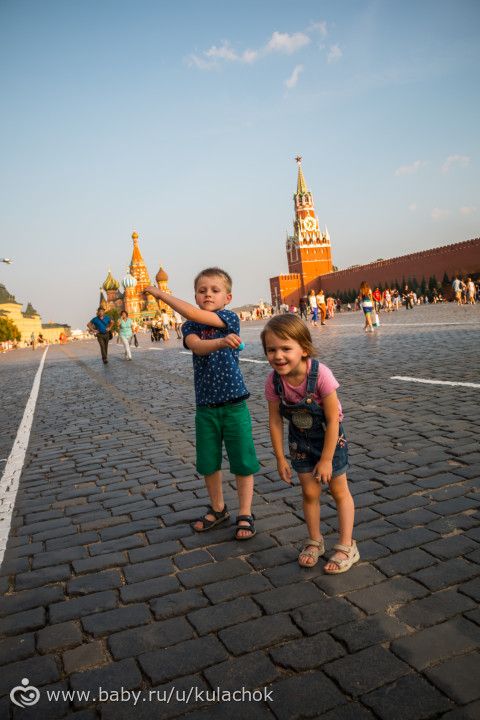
x,y
219,515
344,564
249,528
312,549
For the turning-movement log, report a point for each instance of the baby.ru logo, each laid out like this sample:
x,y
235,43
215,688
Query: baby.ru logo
x,y
24,695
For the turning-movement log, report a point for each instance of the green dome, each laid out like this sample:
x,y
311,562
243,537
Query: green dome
x,y
110,282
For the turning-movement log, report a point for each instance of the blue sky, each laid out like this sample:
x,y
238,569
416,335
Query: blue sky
x,y
182,121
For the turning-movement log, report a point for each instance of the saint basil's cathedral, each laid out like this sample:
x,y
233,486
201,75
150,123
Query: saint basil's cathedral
x,y
139,306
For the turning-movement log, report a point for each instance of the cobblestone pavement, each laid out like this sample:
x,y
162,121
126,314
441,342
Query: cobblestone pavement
x,y
106,585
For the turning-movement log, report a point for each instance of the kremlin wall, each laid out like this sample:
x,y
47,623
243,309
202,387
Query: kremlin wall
x,y
310,260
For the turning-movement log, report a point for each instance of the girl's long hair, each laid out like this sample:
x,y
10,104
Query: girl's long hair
x,y
289,326
365,288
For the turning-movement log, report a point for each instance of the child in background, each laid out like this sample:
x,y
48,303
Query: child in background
x,y
222,415
303,391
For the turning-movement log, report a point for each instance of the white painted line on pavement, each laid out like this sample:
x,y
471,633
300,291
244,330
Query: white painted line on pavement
x,y
13,468
156,349
435,382
385,324
187,352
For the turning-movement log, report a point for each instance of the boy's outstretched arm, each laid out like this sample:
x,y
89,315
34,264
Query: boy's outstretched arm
x,y
189,311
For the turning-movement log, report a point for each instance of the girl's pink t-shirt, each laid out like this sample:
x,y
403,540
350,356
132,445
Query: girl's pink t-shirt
x,y
326,384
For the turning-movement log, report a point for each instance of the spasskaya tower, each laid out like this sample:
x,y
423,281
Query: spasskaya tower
x,y
309,253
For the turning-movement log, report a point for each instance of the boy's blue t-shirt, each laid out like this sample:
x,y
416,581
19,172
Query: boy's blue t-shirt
x,y
101,323
217,376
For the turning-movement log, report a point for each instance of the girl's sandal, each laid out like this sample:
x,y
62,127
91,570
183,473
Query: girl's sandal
x,y
344,564
219,515
317,548
249,528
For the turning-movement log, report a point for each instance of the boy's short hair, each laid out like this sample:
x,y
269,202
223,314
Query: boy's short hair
x,y
289,326
214,272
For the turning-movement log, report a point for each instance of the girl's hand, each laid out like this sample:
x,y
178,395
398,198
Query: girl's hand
x,y
232,341
322,472
285,471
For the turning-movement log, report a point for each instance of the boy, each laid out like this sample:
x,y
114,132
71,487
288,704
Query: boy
x,y
211,333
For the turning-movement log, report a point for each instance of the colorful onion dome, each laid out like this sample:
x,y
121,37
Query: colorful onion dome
x,y
129,281
110,282
161,276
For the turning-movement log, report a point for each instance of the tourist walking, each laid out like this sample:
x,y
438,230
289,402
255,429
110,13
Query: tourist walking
x,y
211,333
330,308
377,299
365,300
177,319
407,295
125,333
387,299
165,325
303,391
312,301
322,306
457,289
470,291
101,326
303,307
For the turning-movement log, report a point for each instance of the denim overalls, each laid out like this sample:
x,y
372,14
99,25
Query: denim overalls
x,y
306,428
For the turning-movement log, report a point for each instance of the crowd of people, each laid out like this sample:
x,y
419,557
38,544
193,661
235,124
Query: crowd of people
x,y
467,291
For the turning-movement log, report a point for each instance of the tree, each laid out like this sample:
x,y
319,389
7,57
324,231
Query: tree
x,y
423,286
114,314
8,330
432,283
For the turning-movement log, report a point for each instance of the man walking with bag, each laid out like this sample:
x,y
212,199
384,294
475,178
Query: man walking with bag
x,y
101,326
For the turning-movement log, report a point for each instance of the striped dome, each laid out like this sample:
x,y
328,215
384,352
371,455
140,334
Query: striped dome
x,y
129,281
110,282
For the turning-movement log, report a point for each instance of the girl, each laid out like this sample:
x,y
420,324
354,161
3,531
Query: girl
x,y
304,391
366,303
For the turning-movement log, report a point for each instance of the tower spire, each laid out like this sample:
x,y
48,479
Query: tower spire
x,y
301,184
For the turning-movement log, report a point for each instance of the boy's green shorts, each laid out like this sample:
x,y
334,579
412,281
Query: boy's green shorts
x,y
232,425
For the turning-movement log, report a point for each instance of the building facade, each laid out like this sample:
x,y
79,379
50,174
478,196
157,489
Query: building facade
x,y
29,321
129,295
310,261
